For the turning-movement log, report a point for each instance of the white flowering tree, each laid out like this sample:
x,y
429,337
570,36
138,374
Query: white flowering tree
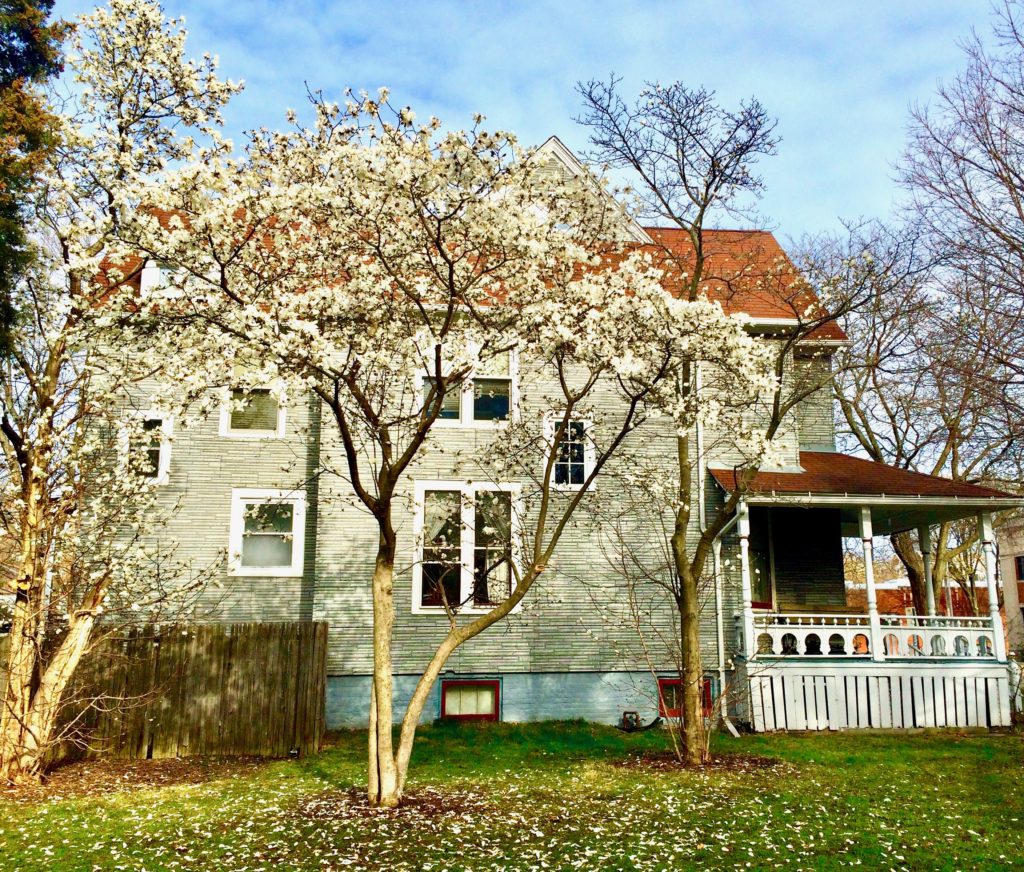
x,y
381,264
76,509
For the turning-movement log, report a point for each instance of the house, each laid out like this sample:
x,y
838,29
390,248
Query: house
x,y
1010,536
777,635
895,596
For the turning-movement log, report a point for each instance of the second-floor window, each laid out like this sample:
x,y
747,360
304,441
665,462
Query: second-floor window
x,y
254,413
465,542
575,452
1018,563
487,397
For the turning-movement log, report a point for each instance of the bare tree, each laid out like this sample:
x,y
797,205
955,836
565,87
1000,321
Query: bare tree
x,y
964,171
692,162
923,386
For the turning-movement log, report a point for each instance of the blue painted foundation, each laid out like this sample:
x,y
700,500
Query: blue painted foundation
x,y
600,697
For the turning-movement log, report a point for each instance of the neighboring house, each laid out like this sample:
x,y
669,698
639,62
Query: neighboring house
x,y
895,596
777,632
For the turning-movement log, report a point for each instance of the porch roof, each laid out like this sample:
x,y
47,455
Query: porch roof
x,y
899,499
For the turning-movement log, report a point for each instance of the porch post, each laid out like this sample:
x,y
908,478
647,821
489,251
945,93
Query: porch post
x,y
988,552
743,528
866,535
924,534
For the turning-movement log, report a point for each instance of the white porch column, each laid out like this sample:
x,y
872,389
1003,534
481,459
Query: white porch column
x,y
924,534
866,535
988,553
743,528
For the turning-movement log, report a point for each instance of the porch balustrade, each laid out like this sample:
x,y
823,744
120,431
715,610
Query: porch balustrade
x,y
872,636
892,637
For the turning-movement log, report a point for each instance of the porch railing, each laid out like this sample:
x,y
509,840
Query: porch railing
x,y
852,636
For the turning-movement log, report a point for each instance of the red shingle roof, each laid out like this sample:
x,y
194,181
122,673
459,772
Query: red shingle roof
x,y
830,473
747,271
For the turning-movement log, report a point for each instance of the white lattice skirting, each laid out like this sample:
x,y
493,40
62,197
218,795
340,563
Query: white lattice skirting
x,y
829,696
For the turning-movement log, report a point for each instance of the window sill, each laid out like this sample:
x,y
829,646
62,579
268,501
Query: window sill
x,y
265,572
449,424
251,434
573,488
439,612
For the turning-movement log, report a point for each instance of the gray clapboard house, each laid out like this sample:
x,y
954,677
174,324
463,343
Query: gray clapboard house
x,y
776,630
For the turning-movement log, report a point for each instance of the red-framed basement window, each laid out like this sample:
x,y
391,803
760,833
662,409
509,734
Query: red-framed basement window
x,y
471,700
670,698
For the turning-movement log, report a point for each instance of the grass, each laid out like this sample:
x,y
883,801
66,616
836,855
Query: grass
x,y
553,796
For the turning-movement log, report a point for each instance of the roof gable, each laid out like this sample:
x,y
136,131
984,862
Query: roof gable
x,y
558,159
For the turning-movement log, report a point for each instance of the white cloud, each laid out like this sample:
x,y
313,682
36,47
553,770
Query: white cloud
x,y
839,75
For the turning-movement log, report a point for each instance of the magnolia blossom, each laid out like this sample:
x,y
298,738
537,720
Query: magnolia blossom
x,y
79,510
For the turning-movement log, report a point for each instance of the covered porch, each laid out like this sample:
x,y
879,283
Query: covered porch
x,y
812,659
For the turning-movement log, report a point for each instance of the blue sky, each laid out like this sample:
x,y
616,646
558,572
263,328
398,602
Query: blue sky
x,y
838,75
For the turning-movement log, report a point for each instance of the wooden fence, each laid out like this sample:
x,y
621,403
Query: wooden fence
x,y
203,689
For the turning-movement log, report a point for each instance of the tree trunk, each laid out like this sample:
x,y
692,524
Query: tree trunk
x,y
691,680
691,727
914,564
29,729
419,700
383,788
19,747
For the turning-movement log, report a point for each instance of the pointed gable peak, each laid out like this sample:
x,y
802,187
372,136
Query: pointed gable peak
x,y
564,164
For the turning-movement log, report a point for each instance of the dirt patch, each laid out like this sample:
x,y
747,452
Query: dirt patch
x,y
422,802
666,761
98,777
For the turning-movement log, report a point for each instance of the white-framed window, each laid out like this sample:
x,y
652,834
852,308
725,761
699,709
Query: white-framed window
x,y
488,397
576,451
252,413
147,443
267,532
156,277
466,536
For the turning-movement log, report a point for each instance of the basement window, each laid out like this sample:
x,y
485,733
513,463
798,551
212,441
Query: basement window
x,y
471,700
670,697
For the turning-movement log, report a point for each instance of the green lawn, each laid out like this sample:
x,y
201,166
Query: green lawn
x,y
552,796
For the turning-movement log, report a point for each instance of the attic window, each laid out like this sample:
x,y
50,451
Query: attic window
x,y
252,413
